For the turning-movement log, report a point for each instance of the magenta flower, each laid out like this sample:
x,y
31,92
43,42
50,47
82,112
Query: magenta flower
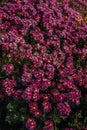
x,y
49,125
27,94
8,68
33,107
18,95
46,106
30,124
64,108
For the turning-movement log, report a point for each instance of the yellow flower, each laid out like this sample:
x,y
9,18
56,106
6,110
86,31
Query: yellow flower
x,y
85,19
79,21
65,17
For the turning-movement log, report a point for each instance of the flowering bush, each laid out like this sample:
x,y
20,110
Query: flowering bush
x,y
43,63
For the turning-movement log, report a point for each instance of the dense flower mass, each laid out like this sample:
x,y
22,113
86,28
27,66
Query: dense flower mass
x,y
43,60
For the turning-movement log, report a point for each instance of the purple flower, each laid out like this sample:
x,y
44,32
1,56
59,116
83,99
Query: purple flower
x,y
69,129
74,96
64,109
46,106
33,106
37,35
30,124
39,74
37,114
9,91
49,125
9,83
26,78
8,68
18,95
45,97
35,94
45,83
58,97
27,94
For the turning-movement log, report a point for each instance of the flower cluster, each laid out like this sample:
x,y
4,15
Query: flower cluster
x,y
44,56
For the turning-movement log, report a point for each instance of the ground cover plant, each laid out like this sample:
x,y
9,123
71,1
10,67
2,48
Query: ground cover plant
x,y
43,64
